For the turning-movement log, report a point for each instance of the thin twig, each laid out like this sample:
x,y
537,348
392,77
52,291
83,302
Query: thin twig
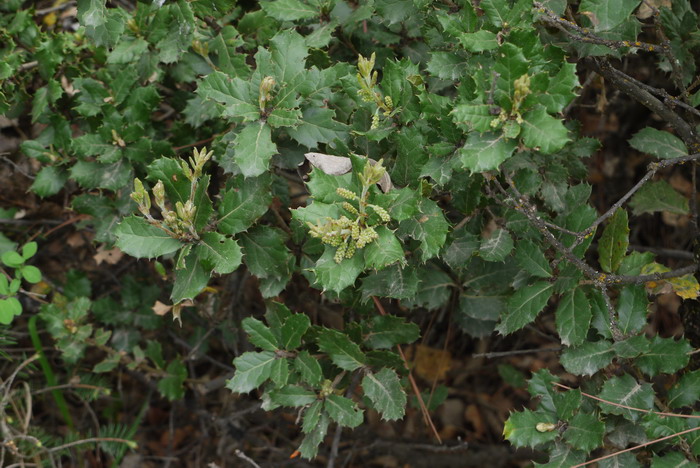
x,y
624,83
514,352
243,456
636,447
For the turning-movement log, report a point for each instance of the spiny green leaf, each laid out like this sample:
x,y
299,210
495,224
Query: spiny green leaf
x,y
632,309
293,330
665,355
521,428
587,358
138,238
658,143
293,395
386,331
384,250
524,306
223,254
532,259
485,152
573,317
386,394
238,97
252,369
337,276
585,432
259,334
309,368
318,126
343,410
543,132
253,149
344,353
243,204
686,392
625,390
49,181
496,247
658,196
605,15
190,280
613,244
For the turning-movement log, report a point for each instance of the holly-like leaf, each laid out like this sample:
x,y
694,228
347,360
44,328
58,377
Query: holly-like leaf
x,y
573,317
239,97
252,369
318,126
91,175
386,394
665,355
279,374
496,247
613,244
293,330
253,149
532,259
49,181
222,254
585,432
479,41
658,196
343,410
587,358
344,353
686,392
632,309
259,334
543,132
309,368
384,250
475,116
429,227
485,152
292,395
393,281
337,276
190,280
605,15
138,238
289,10
625,390
524,306
658,143
447,65
309,446
245,203
521,428
386,331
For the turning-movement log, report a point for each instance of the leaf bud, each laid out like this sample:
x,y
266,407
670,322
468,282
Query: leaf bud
x,y
159,193
265,92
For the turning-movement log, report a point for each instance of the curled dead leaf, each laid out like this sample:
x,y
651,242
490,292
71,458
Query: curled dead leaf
x,y
161,309
339,165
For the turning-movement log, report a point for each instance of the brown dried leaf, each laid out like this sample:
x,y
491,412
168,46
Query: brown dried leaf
x,y
111,256
161,309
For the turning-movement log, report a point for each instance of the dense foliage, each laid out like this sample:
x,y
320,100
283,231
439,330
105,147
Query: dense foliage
x,y
446,173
